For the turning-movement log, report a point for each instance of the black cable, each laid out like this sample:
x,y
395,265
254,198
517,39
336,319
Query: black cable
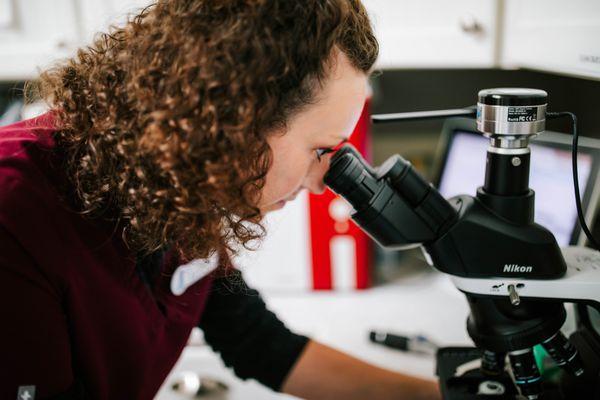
x,y
582,222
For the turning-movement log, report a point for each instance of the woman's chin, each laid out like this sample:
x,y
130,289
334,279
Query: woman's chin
x,y
273,207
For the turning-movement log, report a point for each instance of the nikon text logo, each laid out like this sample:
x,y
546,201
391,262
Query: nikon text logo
x,y
517,268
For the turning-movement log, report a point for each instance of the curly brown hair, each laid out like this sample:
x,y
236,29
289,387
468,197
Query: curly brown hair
x,y
163,121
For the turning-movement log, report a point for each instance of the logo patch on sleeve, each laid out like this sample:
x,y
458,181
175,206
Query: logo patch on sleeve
x,y
187,274
26,393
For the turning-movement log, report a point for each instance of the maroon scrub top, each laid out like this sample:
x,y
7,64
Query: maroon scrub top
x,y
74,311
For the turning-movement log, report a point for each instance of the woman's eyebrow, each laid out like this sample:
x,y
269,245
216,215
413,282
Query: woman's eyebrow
x,y
340,144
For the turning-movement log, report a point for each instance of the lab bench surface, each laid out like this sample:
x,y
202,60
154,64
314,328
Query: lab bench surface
x,y
421,303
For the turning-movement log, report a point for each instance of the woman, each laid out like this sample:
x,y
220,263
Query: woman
x,y
167,141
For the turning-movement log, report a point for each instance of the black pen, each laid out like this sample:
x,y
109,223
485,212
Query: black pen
x,y
416,344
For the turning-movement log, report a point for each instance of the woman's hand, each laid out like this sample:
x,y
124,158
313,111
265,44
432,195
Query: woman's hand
x,y
325,373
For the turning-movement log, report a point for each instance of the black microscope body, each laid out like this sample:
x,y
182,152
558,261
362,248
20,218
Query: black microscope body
x,y
490,235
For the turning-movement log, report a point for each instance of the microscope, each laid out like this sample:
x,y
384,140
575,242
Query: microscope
x,y
513,273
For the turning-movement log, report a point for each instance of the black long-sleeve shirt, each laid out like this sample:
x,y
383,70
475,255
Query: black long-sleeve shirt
x,y
249,337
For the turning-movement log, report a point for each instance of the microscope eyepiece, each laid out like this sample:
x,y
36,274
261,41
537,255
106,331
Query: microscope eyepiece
x,y
350,175
347,176
393,203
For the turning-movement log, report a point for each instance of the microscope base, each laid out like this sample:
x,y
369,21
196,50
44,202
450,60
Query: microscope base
x,y
461,378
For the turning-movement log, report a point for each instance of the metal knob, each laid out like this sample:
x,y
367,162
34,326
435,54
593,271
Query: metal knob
x,y
513,295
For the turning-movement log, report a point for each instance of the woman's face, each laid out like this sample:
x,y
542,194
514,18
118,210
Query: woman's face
x,y
324,124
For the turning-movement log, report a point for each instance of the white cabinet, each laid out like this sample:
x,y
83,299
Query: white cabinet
x,y
36,33
97,16
419,34
435,33
553,35
33,33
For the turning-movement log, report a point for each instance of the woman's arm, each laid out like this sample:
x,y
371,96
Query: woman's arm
x,y
322,373
256,344
249,337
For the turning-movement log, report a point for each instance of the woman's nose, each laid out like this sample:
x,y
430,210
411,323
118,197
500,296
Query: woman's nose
x,y
314,180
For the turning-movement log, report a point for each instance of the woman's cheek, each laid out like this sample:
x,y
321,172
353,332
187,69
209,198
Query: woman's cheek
x,y
297,169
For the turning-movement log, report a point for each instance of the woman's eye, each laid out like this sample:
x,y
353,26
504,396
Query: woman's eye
x,y
322,152
326,150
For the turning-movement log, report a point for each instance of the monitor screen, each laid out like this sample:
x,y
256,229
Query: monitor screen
x,y
551,178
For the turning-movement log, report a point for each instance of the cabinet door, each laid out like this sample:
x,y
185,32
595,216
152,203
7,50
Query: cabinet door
x,y
34,33
435,33
553,35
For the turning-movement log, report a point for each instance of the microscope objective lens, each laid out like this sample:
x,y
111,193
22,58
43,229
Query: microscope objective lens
x,y
564,353
492,363
526,373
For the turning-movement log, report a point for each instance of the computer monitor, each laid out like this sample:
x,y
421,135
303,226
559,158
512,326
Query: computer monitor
x,y
461,170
